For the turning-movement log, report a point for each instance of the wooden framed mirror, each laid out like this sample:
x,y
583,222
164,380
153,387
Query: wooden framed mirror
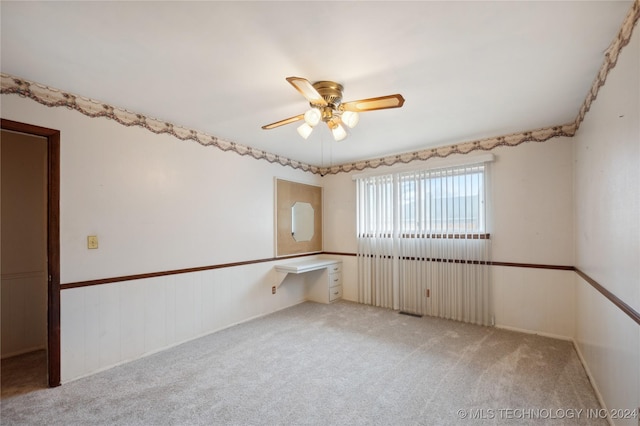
x,y
298,218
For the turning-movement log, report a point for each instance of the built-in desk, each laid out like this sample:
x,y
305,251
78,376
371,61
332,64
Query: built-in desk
x,y
325,284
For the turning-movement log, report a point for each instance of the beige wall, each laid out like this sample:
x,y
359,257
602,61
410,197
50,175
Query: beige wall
x,y
156,203
24,264
607,234
532,222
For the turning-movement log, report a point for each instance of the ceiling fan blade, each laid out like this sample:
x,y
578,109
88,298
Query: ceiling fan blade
x,y
283,122
307,90
372,104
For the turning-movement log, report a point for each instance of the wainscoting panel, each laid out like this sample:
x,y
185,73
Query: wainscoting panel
x,y
530,298
534,300
109,324
608,341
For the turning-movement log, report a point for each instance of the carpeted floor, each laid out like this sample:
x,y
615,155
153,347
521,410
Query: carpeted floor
x,y
339,364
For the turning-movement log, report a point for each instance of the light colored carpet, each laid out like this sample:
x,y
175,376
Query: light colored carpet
x,y
339,364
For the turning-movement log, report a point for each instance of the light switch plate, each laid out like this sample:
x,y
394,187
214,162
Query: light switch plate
x,y
92,242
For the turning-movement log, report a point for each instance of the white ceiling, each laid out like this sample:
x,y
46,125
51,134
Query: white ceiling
x,y
467,70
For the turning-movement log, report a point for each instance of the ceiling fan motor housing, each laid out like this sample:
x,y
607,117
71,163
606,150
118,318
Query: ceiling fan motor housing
x,y
330,92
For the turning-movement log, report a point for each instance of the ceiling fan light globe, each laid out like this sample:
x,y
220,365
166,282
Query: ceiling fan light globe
x,y
305,130
338,132
313,117
350,118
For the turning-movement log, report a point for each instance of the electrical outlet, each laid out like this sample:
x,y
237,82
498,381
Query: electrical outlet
x,y
92,242
273,290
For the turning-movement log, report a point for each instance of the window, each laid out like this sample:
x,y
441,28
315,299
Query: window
x,y
439,202
429,203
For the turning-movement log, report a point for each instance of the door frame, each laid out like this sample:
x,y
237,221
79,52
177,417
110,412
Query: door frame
x,y
53,240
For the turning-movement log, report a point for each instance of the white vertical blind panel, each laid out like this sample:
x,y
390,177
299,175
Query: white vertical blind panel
x,y
420,231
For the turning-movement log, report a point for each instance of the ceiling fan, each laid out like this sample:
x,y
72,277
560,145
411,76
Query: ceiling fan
x,y
325,99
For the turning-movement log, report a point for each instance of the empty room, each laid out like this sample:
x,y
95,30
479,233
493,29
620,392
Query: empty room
x,y
367,212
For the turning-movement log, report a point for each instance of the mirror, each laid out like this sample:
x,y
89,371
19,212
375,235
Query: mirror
x,y
298,218
302,221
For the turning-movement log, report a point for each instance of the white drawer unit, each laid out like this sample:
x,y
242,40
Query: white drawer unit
x,y
325,286
322,276
335,282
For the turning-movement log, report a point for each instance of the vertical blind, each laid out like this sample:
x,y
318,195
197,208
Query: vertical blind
x,y
423,244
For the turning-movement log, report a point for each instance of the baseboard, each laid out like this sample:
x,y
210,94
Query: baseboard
x,y
592,379
539,333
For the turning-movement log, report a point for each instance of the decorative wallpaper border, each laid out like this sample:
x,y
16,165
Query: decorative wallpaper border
x,y
610,59
55,98
488,144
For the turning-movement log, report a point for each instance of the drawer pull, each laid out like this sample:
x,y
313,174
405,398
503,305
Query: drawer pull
x,y
337,292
